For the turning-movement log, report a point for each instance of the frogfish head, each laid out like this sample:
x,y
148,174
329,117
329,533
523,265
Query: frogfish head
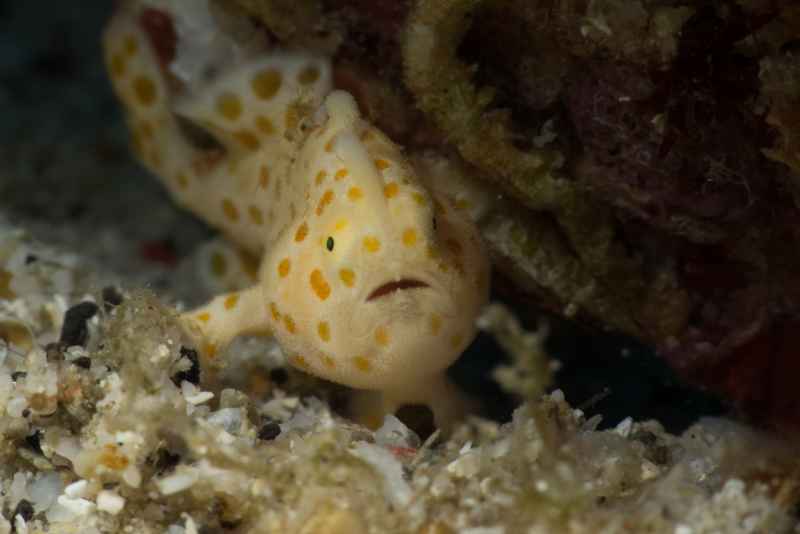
x,y
378,281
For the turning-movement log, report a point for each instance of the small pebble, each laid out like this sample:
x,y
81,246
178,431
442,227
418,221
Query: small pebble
x,y
25,509
55,351
77,506
34,441
177,482
84,362
269,431
109,501
111,297
74,330
77,489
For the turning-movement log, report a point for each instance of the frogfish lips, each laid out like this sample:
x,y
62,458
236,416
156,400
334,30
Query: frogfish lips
x,y
396,285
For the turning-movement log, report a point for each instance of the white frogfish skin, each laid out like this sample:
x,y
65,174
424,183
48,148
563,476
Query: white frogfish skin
x,y
366,278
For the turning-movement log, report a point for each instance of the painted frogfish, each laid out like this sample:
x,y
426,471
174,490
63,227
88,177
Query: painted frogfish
x,y
367,276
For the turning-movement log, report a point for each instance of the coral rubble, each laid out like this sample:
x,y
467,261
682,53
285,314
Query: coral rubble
x,y
119,429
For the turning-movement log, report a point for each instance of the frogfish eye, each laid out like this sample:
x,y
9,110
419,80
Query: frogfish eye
x,y
329,243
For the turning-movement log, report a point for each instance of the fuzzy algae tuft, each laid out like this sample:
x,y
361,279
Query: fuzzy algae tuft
x,y
444,90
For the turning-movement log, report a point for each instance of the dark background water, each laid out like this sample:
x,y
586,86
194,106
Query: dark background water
x,y
66,175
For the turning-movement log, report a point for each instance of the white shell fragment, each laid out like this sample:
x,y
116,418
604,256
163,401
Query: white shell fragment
x,y
396,489
110,502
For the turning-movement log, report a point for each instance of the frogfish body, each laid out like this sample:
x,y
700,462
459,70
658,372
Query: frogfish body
x,y
367,277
